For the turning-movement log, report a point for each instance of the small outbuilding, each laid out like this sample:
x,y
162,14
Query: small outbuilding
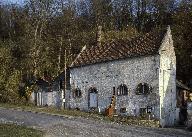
x,y
52,92
43,95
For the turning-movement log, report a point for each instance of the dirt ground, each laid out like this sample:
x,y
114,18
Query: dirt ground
x,y
60,126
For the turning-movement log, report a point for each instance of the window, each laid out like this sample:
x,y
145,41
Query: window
x,y
142,111
113,90
93,90
149,109
77,93
143,88
123,110
122,90
61,84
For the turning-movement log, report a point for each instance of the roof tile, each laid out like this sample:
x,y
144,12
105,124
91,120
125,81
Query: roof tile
x,y
143,45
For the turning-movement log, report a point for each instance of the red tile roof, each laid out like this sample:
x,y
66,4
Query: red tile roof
x,y
143,45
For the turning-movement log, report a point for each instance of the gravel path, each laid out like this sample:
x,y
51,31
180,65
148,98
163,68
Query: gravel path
x,y
57,126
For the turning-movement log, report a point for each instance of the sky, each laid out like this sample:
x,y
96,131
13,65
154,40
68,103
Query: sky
x,y
12,1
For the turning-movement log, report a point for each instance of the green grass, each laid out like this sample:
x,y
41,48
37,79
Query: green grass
x,y
12,130
122,120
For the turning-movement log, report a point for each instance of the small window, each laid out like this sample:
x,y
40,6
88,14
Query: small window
x,y
149,109
122,90
142,111
77,93
143,88
61,84
93,90
123,110
113,90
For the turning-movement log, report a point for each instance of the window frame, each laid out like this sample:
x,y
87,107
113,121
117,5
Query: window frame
x,y
143,89
122,90
123,110
142,111
92,90
77,93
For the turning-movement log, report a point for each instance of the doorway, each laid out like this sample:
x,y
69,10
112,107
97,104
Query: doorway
x,y
93,98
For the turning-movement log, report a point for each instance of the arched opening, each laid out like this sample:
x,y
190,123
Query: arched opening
x,y
122,90
77,93
143,88
93,98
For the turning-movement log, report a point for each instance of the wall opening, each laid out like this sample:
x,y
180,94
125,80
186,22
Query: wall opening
x,y
93,98
123,110
143,88
122,90
77,93
142,111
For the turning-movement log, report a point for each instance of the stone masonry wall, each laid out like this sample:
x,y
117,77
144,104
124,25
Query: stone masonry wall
x,y
167,81
105,76
46,98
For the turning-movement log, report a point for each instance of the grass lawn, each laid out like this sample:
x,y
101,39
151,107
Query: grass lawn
x,y
12,130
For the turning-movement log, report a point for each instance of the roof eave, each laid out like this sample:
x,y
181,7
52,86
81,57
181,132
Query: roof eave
x,y
83,65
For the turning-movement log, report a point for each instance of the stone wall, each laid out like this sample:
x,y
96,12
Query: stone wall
x,y
167,81
46,98
105,76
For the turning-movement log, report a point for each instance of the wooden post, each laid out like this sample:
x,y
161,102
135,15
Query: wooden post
x,y
65,82
59,56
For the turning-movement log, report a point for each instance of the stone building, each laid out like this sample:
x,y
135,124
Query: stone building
x,y
140,74
46,94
